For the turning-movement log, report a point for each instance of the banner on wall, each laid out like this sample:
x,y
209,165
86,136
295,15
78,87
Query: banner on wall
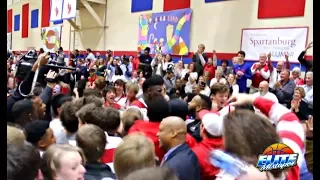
x,y
278,41
166,32
69,9
51,38
56,10
9,41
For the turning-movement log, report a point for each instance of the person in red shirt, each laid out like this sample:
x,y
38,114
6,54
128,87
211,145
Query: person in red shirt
x,y
260,72
135,62
211,133
209,67
92,78
109,93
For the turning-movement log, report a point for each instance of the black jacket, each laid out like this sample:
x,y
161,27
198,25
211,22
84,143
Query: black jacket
x,y
304,62
98,171
184,163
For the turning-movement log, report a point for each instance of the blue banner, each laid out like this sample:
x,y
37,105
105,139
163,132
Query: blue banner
x,y
166,32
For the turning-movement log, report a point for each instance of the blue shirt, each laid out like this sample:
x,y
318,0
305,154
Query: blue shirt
x,y
242,82
169,152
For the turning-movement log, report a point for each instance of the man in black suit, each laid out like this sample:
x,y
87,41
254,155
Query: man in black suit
x,y
179,157
200,59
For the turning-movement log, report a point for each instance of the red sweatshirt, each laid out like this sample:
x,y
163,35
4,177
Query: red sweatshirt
x,y
202,150
211,69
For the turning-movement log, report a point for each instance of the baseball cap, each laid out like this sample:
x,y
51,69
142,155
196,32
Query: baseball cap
x,y
213,124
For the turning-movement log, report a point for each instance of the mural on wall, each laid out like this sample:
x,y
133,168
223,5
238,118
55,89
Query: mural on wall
x,y
166,32
51,38
9,40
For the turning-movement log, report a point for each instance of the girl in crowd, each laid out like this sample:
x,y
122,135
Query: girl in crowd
x,y
232,83
179,69
63,162
189,76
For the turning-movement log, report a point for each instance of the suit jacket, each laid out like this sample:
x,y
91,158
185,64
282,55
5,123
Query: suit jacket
x,y
197,61
184,162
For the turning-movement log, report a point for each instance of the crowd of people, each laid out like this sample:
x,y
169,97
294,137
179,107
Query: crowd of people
x,y
145,117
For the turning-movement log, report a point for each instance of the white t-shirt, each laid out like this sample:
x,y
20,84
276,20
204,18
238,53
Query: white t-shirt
x,y
56,126
91,57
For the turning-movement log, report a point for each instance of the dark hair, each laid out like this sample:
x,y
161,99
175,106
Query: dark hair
x,y
23,162
112,118
118,71
152,173
88,49
68,117
108,89
242,53
225,61
41,50
153,81
206,102
170,60
158,109
57,101
35,131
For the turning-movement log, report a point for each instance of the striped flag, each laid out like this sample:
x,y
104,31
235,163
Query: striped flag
x,y
56,10
69,9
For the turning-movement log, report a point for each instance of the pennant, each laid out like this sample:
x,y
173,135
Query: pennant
x,y
25,21
169,5
16,22
281,8
35,18
58,22
45,13
69,9
9,20
56,10
210,1
141,5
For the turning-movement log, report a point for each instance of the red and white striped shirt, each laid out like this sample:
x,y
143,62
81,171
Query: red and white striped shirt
x,y
289,129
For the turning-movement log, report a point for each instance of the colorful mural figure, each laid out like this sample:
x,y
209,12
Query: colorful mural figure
x,y
51,38
166,32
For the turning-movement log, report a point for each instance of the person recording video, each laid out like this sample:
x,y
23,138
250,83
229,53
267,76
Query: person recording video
x,y
145,63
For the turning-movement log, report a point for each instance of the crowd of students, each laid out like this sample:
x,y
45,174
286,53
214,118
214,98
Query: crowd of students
x,y
148,118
